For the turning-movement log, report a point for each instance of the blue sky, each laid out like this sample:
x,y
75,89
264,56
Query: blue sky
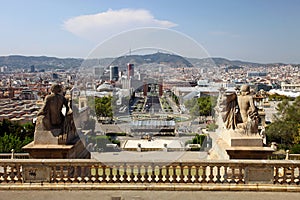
x,y
252,30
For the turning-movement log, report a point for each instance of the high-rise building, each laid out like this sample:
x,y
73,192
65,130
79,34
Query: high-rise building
x,y
130,70
114,73
32,68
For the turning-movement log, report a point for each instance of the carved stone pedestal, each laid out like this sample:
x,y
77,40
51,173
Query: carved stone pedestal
x,y
249,152
57,151
49,145
245,146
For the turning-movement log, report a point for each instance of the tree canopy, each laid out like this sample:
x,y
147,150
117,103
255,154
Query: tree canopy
x,y
15,136
202,106
285,129
103,107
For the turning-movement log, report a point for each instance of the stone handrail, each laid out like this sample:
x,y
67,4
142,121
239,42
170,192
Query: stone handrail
x,y
14,155
204,172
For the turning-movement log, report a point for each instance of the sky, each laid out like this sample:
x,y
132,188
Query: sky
x,y
262,31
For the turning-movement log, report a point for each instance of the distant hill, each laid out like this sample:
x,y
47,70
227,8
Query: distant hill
x,y
44,62
24,62
159,58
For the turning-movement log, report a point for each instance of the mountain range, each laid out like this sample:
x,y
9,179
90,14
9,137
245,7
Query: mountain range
x,y
44,62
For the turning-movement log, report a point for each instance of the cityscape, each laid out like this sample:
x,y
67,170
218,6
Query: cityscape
x,y
139,105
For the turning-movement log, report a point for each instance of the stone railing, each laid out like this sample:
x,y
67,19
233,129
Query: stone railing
x,y
14,156
198,172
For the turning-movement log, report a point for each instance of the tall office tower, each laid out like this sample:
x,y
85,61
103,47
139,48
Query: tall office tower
x,y
114,73
130,70
145,88
160,87
32,68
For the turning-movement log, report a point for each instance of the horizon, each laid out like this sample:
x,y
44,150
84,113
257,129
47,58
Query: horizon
x,y
232,60
252,31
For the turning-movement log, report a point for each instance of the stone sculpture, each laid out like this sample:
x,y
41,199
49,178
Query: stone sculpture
x,y
51,113
51,118
239,111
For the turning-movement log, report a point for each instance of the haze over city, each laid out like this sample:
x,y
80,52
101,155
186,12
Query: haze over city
x,y
258,31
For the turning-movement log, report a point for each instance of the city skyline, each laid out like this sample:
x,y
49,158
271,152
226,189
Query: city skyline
x,y
258,31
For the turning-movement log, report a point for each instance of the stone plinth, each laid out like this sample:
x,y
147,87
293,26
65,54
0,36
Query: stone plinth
x,y
52,137
249,152
57,151
242,146
236,138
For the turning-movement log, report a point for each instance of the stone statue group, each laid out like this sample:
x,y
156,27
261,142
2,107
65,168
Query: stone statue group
x,y
51,118
239,111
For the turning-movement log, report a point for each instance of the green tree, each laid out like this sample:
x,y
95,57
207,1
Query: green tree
x,y
285,129
11,141
203,106
15,136
103,107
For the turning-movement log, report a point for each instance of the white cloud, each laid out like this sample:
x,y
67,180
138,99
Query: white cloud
x,y
100,26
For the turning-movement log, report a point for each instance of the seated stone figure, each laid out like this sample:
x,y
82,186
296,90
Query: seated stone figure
x,y
239,111
248,111
51,113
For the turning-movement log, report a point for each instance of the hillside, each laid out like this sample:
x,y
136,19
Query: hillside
x,y
44,62
159,58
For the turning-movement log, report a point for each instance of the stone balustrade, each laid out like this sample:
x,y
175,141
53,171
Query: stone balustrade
x,y
195,172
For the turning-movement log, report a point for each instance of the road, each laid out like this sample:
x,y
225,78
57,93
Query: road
x,y
141,195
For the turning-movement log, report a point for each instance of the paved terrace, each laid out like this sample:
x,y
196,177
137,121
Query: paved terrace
x,y
143,195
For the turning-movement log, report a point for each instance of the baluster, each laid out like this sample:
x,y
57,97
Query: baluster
x,y
284,178
114,172
197,174
135,172
232,175
61,173
76,169
174,168
167,176
109,172
82,174
149,174
132,176
142,173
53,174
218,176
297,174
161,174
19,174
189,174
240,176
203,176
117,176
96,176
5,172
184,174
153,176
292,175
157,173
276,177
101,173
128,174
211,174
68,178
121,173
226,168
181,176
177,173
